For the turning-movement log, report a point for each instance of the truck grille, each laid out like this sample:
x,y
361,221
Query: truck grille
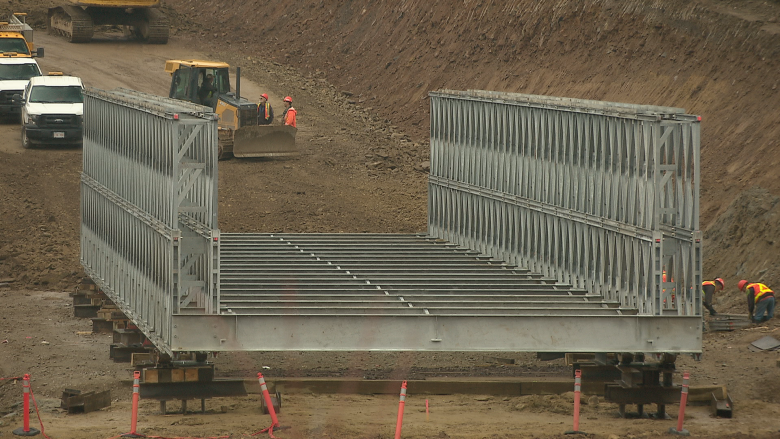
x,y
7,95
59,121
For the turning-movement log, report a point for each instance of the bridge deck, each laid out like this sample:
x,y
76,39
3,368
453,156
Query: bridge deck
x,y
364,274
405,292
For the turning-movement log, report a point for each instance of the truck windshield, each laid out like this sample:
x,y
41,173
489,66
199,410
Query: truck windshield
x,y
56,95
18,72
17,45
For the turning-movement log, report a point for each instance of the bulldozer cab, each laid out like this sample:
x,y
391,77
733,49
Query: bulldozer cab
x,y
190,81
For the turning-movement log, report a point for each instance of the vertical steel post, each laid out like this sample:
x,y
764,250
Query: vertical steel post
x,y
577,386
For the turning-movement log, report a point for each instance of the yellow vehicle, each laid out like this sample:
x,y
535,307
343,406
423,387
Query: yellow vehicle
x,y
16,38
239,133
142,18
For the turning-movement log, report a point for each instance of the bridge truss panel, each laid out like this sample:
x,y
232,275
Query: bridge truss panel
x,y
604,196
149,206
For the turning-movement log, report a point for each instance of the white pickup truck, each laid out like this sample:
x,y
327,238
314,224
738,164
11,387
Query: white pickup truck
x,y
14,75
52,111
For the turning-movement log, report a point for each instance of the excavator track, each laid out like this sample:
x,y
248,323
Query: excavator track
x,y
71,22
155,28
77,25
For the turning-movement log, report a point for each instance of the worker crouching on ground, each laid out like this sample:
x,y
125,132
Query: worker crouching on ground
x,y
761,300
265,114
290,114
710,287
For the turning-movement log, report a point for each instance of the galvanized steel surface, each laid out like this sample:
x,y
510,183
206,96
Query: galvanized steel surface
x,y
551,222
153,152
149,205
458,333
367,274
408,292
604,196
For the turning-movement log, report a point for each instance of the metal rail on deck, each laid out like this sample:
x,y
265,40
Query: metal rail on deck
x,y
409,287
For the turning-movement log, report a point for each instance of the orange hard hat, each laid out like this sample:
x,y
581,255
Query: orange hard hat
x,y
288,99
741,284
264,96
720,281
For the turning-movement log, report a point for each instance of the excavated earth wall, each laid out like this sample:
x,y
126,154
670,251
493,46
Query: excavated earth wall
x,y
718,59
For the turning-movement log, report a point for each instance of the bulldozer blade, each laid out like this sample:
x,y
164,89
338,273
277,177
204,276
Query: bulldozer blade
x,y
265,141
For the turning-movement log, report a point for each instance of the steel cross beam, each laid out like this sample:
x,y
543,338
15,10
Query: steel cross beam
x,y
511,333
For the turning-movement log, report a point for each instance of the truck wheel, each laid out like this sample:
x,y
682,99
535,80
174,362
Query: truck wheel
x,y
25,140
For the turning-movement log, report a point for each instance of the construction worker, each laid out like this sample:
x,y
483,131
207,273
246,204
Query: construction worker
x,y
265,114
207,90
761,300
710,287
289,115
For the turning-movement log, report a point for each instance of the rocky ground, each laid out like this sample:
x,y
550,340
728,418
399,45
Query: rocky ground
x,y
360,74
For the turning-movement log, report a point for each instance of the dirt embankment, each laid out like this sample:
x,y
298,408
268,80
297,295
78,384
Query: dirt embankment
x,y
708,57
358,174
716,58
743,243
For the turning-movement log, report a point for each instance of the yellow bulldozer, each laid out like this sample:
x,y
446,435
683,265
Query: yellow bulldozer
x,y
141,18
239,133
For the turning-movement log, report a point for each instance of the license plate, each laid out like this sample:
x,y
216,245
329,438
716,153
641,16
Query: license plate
x,y
59,135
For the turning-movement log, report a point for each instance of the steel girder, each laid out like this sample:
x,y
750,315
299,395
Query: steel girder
x,y
382,332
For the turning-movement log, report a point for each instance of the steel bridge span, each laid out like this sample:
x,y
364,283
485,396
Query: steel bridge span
x,y
555,225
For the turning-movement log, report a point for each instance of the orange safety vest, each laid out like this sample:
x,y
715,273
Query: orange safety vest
x,y
762,291
267,106
708,282
289,117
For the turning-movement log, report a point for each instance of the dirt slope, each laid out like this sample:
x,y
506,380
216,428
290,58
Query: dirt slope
x,y
360,72
718,59
696,55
